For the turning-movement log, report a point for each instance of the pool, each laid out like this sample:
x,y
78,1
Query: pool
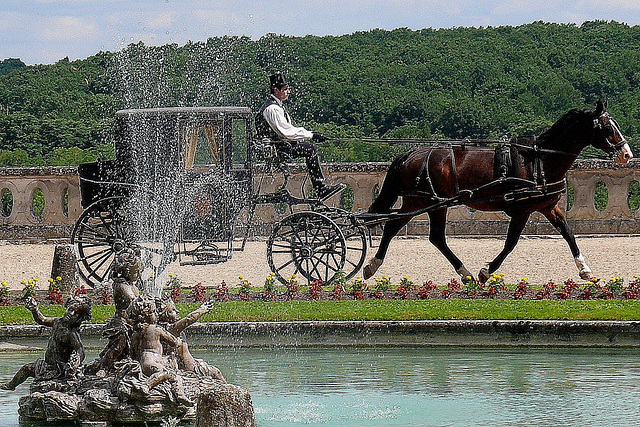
x,y
419,386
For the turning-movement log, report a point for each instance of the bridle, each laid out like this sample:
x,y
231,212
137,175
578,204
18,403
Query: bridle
x,y
608,123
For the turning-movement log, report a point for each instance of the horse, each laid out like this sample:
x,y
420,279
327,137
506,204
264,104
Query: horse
x,y
519,177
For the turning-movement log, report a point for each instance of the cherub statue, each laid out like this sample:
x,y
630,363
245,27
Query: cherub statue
x,y
169,318
147,348
65,352
126,276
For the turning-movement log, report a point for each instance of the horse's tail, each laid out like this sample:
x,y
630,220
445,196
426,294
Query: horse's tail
x,y
390,190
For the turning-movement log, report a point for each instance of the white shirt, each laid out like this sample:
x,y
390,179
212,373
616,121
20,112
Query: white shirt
x,y
280,122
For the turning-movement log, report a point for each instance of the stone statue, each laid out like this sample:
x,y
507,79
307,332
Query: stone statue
x,y
65,352
169,318
147,347
126,277
145,372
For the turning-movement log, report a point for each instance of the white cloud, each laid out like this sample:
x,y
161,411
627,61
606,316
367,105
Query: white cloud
x,y
67,28
609,5
160,20
10,21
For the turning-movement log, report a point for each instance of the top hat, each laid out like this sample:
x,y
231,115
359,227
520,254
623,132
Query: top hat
x,y
278,80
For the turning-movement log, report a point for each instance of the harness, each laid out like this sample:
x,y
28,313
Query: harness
x,y
505,166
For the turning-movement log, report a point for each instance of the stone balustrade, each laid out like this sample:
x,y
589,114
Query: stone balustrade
x,y
44,202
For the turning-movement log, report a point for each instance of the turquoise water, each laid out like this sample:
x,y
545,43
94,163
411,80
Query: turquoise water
x,y
420,386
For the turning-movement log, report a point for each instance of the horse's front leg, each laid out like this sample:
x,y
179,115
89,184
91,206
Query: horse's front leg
x,y
516,225
557,219
437,236
391,228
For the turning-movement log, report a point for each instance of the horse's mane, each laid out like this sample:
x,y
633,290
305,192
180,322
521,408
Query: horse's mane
x,y
559,127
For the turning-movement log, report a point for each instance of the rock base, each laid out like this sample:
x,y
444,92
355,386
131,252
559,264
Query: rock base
x,y
123,398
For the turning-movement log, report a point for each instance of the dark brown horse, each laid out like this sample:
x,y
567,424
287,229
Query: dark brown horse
x,y
520,177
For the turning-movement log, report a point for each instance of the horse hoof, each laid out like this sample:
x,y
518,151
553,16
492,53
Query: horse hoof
x,y
586,275
464,273
371,268
484,275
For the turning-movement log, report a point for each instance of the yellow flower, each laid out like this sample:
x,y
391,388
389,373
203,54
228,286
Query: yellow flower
x,y
35,279
50,280
59,279
272,274
241,277
406,277
4,283
24,282
170,274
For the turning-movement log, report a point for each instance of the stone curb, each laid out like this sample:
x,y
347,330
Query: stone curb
x,y
390,333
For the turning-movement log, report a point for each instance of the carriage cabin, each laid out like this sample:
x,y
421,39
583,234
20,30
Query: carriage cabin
x,y
160,143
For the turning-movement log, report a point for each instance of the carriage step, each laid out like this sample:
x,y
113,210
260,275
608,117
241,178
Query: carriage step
x,y
205,261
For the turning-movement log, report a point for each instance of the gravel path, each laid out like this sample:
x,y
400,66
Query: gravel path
x,y
539,258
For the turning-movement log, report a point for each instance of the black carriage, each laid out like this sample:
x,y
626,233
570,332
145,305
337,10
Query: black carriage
x,y
182,186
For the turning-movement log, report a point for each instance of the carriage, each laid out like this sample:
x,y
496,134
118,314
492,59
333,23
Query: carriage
x,y
182,186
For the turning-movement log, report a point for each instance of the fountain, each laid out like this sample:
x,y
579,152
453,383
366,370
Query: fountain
x,y
135,216
145,373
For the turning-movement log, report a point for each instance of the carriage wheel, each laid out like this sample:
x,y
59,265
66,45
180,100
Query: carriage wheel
x,y
306,243
100,232
355,236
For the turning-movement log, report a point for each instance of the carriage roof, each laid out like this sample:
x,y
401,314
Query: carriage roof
x,y
207,112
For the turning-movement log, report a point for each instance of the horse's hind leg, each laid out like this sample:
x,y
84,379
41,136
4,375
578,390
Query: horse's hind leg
x,y
516,225
557,219
437,236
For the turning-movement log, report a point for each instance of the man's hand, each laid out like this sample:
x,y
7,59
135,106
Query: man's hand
x,y
318,137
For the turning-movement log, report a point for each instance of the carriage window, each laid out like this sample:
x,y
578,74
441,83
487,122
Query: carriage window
x,y
239,141
204,146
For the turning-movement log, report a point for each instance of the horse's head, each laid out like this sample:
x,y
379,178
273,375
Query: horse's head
x,y
608,137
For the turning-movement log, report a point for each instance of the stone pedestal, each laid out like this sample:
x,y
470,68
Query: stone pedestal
x,y
65,266
225,406
123,398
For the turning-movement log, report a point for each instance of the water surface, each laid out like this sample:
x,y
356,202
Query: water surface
x,y
419,386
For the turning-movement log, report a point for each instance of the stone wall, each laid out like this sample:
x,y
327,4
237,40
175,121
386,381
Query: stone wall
x,y
44,202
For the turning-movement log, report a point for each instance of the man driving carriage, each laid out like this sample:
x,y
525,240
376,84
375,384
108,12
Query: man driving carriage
x,y
274,123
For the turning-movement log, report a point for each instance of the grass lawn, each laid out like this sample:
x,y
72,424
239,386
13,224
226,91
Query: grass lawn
x,y
441,309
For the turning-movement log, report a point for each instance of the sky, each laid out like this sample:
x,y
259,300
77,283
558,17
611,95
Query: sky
x,y
45,31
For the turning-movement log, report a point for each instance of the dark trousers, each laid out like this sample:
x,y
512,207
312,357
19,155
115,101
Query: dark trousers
x,y
309,151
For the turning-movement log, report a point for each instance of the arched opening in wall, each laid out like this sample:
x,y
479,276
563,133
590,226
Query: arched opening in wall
x,y
633,196
376,191
65,202
347,198
6,202
601,196
37,203
570,196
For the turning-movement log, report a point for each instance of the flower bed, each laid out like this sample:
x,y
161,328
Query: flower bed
x,y
356,289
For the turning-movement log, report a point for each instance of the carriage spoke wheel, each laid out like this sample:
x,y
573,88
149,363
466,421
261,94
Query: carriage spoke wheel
x,y
102,230
306,243
355,237
98,235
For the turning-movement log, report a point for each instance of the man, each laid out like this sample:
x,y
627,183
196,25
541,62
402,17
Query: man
x,y
273,122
